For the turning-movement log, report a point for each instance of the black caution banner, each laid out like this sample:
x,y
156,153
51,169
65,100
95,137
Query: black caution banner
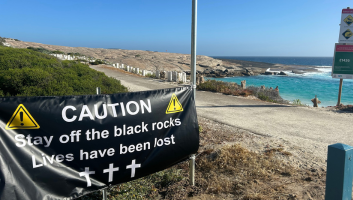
x,y
68,146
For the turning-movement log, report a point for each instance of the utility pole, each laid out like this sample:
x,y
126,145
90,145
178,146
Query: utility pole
x,y
193,79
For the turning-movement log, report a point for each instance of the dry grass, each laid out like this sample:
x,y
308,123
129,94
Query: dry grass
x,y
242,173
272,151
227,170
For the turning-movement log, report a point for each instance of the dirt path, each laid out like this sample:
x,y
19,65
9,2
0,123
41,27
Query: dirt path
x,y
305,132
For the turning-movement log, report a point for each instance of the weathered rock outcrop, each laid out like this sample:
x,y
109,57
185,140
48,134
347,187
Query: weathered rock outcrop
x,y
248,72
161,61
274,73
218,73
148,60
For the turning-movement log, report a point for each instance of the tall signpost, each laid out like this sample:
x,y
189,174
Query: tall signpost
x,y
193,77
343,57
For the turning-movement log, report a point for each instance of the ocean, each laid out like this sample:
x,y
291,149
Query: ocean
x,y
299,86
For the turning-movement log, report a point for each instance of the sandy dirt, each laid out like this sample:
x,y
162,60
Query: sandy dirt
x,y
305,132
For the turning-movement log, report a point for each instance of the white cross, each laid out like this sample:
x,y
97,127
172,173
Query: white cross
x,y
133,166
86,174
110,171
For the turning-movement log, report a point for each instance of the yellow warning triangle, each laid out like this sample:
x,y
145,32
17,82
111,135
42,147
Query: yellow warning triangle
x,y
174,105
22,119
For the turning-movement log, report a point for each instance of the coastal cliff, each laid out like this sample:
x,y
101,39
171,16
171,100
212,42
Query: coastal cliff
x,y
148,60
164,61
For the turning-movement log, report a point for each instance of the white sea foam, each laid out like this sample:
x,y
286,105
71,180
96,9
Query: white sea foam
x,y
269,70
323,71
324,68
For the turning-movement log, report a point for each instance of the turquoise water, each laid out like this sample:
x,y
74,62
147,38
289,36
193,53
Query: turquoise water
x,y
303,86
313,61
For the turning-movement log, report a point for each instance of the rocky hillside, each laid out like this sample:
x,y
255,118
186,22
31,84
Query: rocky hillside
x,y
152,61
142,59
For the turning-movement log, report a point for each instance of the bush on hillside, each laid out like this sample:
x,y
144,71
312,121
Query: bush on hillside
x,y
97,62
58,52
46,51
75,54
24,72
40,49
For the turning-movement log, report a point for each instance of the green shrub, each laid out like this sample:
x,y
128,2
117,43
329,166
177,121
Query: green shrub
x,y
267,94
223,87
298,102
58,52
151,75
24,72
75,54
97,62
263,97
82,60
40,49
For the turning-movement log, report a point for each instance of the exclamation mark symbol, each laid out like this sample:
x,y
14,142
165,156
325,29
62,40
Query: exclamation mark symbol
x,y
21,118
174,104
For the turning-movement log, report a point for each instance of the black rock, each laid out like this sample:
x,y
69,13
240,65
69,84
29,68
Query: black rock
x,y
268,73
298,71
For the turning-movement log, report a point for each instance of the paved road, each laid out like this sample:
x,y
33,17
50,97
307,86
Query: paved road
x,y
308,130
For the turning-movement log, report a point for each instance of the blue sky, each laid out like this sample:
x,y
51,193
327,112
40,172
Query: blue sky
x,y
225,27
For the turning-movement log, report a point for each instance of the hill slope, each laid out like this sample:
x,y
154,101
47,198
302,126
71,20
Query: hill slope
x,y
141,59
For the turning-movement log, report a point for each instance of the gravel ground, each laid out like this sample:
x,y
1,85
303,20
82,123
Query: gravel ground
x,y
305,132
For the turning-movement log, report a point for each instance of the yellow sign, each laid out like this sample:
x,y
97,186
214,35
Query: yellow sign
x,y
174,105
22,119
348,20
347,34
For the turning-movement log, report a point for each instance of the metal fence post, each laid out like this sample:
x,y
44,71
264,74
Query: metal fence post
x,y
98,90
192,169
105,191
339,172
105,194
